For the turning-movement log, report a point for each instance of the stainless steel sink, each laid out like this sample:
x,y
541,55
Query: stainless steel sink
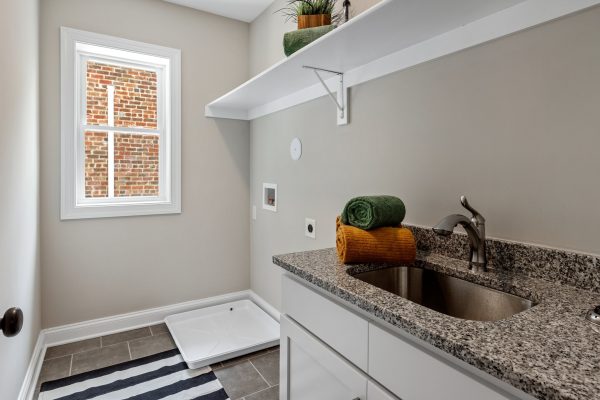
x,y
446,294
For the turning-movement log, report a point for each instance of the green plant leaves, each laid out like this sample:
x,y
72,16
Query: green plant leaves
x,y
295,8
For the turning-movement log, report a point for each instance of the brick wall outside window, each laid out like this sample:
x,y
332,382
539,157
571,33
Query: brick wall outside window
x,y
96,164
136,156
136,165
135,95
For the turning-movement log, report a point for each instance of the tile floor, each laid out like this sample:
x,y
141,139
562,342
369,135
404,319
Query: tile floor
x,y
251,377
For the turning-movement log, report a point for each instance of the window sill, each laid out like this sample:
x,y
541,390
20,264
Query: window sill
x,y
119,210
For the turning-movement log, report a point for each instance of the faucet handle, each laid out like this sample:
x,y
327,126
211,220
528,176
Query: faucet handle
x,y
476,214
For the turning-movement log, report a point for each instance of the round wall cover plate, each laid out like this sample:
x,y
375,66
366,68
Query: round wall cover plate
x,y
296,149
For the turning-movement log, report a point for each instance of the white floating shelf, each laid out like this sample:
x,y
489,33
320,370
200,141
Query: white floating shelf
x,y
391,36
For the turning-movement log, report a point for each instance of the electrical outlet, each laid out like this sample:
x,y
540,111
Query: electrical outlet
x,y
310,228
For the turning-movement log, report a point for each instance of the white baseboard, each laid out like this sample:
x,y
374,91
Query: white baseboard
x,y
119,323
124,322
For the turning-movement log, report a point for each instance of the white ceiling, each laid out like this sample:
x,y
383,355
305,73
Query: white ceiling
x,y
243,10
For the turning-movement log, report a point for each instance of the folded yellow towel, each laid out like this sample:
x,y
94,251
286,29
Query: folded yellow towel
x,y
382,245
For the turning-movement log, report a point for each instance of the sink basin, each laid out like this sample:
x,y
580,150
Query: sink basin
x,y
446,294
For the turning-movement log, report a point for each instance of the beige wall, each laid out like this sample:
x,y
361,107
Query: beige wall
x,y
19,143
103,267
266,34
513,124
266,38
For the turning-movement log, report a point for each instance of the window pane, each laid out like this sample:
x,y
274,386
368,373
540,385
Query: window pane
x,y
135,95
96,95
136,165
96,164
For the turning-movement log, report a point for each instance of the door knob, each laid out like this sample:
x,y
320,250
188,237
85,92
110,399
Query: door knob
x,y
12,322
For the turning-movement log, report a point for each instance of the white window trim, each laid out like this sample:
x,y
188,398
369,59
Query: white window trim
x,y
70,206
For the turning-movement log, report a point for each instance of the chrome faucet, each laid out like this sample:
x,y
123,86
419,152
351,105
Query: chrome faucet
x,y
475,228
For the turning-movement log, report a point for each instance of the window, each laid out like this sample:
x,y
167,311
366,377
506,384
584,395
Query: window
x,y
120,127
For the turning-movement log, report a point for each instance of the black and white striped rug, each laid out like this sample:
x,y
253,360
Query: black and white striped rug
x,y
161,376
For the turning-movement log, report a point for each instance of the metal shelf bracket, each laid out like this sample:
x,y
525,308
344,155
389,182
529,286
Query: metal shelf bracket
x,y
341,100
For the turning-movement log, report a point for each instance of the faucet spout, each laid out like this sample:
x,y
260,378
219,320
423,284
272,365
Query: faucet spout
x,y
446,227
475,228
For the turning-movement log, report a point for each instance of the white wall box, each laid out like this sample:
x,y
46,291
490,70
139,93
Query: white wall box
x,y
391,36
270,197
323,342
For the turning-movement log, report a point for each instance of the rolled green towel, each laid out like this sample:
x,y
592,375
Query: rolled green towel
x,y
368,212
295,40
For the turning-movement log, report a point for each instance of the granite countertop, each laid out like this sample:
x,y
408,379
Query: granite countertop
x,y
549,351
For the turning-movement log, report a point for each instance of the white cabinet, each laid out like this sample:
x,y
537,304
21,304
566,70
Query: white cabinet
x,y
331,352
342,330
312,371
374,392
413,374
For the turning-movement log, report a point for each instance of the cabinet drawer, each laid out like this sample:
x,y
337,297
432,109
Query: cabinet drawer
x,y
344,331
414,374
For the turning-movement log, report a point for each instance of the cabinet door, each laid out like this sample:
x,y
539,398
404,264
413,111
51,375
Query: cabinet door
x,y
312,371
412,373
374,392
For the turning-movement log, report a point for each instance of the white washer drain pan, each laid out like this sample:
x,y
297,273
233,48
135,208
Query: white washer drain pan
x,y
218,333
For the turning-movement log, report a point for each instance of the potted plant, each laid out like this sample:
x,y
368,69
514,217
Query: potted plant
x,y
311,13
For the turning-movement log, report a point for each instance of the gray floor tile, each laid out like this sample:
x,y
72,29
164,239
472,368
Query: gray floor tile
x,y
245,357
236,360
271,393
55,368
238,376
72,348
268,366
109,340
158,329
151,345
260,353
216,365
99,358
241,380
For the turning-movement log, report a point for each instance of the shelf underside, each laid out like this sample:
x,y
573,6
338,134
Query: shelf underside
x,y
393,35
